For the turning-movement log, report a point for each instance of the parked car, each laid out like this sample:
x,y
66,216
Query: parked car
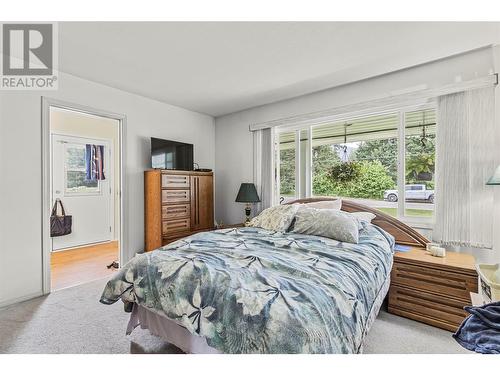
x,y
417,192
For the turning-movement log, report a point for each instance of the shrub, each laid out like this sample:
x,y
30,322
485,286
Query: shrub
x,y
371,182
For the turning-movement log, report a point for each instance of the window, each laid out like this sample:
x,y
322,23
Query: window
x,y
74,166
357,159
363,159
420,140
293,156
287,154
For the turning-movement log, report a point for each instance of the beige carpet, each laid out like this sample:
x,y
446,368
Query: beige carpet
x,y
73,321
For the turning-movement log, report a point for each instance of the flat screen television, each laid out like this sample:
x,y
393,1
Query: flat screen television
x,y
171,155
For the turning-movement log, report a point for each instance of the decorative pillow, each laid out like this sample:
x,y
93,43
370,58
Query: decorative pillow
x,y
330,205
277,218
366,216
337,225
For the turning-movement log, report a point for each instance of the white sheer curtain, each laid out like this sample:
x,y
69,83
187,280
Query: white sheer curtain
x,y
263,165
465,159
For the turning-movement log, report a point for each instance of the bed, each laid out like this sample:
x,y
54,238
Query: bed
x,y
251,290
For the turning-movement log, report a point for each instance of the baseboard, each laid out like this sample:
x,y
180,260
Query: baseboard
x,y
90,244
27,297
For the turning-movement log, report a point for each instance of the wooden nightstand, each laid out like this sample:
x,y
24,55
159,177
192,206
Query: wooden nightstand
x,y
432,290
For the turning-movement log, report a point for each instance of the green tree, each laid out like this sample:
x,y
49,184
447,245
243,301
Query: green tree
x,y
324,157
383,150
419,156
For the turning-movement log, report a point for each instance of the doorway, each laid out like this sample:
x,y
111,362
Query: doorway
x,y
90,201
83,177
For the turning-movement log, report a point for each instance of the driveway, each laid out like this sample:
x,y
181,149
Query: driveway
x,y
383,204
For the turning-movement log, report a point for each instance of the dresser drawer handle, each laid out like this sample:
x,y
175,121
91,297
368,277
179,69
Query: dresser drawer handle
x,y
414,276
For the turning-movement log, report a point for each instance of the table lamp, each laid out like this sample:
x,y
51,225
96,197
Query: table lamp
x,y
247,194
495,179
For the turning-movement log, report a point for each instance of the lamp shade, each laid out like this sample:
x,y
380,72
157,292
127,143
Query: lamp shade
x,y
495,179
247,193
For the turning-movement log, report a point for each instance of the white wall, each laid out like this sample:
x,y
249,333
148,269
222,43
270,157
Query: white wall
x,y
234,158
20,168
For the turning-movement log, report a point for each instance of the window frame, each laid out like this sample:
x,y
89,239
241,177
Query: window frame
x,y
306,191
97,191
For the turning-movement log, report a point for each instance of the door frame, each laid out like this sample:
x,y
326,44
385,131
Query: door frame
x,y
47,103
110,175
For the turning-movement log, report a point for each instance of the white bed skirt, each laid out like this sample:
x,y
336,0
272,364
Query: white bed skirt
x,y
168,330
179,336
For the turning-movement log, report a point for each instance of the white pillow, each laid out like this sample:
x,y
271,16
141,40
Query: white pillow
x,y
330,205
338,225
277,218
366,216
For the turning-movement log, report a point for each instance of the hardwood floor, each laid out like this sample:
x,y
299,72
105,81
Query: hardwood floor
x,y
83,264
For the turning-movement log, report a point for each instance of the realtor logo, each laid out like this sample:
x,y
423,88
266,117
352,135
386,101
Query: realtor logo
x,y
28,56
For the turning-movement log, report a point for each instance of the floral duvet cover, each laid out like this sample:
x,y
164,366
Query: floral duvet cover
x,y
250,290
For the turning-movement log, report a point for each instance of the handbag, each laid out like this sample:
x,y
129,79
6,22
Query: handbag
x,y
60,225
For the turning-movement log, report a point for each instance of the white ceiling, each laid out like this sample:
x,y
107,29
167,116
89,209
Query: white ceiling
x,y
219,68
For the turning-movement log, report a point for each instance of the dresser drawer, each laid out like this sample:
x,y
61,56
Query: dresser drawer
x,y
429,308
175,181
176,225
176,211
175,196
450,284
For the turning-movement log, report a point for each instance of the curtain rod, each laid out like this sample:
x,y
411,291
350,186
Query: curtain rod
x,y
381,104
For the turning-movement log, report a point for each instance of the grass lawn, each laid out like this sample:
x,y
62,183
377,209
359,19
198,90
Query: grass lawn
x,y
408,212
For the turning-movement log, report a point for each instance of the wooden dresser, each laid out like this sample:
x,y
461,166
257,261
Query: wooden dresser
x,y
176,204
430,289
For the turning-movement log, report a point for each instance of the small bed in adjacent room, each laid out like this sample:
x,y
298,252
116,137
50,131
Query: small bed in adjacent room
x,y
252,290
